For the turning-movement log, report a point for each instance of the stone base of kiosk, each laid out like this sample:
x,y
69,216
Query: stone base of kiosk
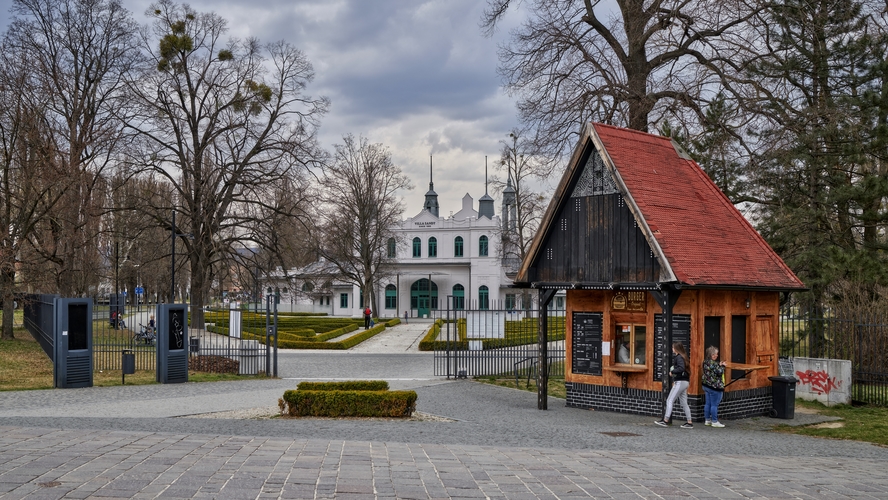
x,y
735,404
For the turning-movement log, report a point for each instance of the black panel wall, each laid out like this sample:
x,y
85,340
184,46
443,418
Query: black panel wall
x,y
596,239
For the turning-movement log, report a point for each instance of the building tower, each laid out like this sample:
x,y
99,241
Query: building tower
x,y
431,197
485,204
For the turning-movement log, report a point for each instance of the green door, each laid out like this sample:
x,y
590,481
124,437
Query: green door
x,y
423,299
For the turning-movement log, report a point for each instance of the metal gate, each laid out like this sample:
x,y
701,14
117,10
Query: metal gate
x,y
496,341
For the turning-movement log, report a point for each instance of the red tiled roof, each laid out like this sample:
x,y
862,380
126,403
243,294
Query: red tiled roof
x,y
705,239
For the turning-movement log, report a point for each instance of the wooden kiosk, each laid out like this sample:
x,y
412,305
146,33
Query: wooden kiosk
x,y
650,251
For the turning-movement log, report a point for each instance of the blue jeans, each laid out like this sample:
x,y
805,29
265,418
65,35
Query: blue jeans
x,y
710,407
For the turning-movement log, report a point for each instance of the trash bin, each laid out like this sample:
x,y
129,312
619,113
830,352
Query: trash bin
x,y
194,345
783,395
129,362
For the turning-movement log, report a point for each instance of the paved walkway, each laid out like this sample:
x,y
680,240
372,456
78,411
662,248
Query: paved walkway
x,y
486,442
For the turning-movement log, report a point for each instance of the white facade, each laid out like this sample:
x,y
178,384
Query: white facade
x,y
461,254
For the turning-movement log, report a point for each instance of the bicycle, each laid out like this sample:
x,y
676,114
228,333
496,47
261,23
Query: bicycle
x,y
145,334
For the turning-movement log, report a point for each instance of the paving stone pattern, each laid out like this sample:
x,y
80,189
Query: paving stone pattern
x,y
48,463
128,442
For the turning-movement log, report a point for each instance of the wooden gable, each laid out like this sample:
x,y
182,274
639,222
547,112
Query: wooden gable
x,y
634,209
593,237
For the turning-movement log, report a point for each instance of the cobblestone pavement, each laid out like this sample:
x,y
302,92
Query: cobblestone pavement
x,y
132,442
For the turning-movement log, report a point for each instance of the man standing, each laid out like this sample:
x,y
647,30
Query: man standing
x,y
367,313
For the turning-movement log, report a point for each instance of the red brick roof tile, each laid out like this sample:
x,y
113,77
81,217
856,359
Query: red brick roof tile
x,y
705,239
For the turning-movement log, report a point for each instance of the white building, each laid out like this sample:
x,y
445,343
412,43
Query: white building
x,y
454,262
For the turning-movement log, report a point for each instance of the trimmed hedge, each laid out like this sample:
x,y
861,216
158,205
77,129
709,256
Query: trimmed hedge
x,y
521,332
428,341
348,385
341,345
302,338
398,404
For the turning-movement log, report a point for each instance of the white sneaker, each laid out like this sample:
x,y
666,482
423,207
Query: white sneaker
x,y
708,422
717,424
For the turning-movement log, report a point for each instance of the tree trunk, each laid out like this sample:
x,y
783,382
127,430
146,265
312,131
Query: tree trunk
x,y
7,283
198,292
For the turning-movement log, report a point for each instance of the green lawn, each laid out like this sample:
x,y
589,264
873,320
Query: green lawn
x,y
24,366
858,423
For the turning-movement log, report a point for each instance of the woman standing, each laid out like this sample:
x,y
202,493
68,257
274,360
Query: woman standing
x,y
713,386
680,376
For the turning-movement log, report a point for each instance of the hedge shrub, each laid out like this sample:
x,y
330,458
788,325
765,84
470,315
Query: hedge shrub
x,y
399,404
348,385
517,332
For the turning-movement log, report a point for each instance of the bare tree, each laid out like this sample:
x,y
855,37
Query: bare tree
x,y
221,120
360,211
133,242
78,50
31,181
523,205
651,61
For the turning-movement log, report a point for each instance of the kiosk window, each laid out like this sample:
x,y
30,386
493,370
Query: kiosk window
x,y
631,342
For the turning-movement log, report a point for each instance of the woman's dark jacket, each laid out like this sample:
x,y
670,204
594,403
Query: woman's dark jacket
x,y
679,370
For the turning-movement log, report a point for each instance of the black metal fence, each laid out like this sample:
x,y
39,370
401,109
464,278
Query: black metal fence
x,y
496,341
38,314
835,334
125,325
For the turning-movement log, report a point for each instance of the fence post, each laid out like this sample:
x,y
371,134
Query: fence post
x,y
275,339
267,337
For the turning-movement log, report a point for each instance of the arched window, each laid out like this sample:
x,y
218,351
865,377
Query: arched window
x,y
417,247
482,246
307,287
392,249
391,297
433,247
458,247
483,298
459,296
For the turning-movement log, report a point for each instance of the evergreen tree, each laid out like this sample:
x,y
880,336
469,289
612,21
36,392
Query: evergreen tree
x,y
815,170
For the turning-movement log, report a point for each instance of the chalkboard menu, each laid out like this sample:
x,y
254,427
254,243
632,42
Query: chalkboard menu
x,y
586,343
681,332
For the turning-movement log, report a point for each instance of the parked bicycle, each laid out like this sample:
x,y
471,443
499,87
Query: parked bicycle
x,y
145,335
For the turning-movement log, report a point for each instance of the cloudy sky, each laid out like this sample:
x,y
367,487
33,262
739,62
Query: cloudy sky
x,y
415,75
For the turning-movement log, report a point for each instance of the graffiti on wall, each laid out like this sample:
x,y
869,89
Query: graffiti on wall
x,y
820,381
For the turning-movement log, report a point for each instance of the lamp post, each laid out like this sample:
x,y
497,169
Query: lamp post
x,y
116,268
173,260
173,263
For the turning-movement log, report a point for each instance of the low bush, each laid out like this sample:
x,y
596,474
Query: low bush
x,y
341,345
348,385
520,332
398,404
428,340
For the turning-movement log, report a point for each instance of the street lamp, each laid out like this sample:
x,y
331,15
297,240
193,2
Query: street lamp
x,y
173,260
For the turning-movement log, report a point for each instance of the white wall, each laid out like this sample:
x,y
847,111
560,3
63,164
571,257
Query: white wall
x,y
824,380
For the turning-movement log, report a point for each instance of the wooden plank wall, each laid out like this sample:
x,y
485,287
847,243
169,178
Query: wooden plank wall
x,y
596,239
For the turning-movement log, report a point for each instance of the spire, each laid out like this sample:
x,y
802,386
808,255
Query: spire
x,y
510,206
431,197
485,204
